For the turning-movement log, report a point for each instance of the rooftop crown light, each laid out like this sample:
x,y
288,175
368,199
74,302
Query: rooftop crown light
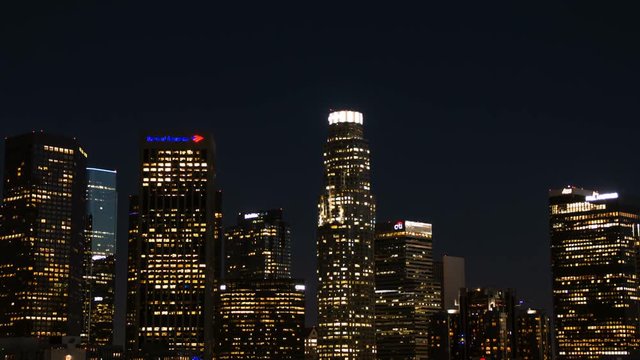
x,y
345,116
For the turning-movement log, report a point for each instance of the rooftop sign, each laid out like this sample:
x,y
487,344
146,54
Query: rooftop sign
x,y
175,139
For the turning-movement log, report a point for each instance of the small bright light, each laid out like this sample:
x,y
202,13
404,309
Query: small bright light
x,y
300,287
223,287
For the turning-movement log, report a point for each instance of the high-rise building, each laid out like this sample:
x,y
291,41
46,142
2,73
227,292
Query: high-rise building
x,y
42,240
406,291
174,248
311,344
133,251
260,319
533,338
594,262
446,339
260,309
218,234
488,323
102,209
452,279
346,223
258,247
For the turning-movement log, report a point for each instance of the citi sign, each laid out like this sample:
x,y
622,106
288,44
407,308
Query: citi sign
x,y
398,226
175,139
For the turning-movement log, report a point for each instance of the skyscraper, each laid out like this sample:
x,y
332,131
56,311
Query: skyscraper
x,y
260,309
452,280
258,247
102,210
406,291
594,262
42,240
345,243
131,320
174,246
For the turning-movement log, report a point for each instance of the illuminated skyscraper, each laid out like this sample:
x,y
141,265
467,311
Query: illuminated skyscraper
x,y
102,209
594,262
406,291
174,265
131,329
346,298
42,241
258,247
260,319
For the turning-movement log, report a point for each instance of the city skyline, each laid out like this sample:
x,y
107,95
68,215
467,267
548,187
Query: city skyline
x,y
472,115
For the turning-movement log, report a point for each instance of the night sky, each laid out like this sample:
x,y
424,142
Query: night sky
x,y
473,111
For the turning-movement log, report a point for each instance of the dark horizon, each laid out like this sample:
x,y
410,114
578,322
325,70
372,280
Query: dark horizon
x,y
472,115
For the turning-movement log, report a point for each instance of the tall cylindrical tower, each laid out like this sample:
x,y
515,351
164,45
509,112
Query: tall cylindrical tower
x,y
346,224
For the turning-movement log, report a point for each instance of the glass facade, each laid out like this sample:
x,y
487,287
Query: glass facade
x,y
406,291
42,239
346,224
174,247
102,210
594,262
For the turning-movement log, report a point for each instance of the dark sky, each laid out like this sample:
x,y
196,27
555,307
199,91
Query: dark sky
x,y
473,110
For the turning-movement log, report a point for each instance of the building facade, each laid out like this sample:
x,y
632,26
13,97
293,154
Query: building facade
x,y
346,227
261,319
533,338
406,291
452,279
260,309
173,246
100,273
258,247
42,239
488,323
594,263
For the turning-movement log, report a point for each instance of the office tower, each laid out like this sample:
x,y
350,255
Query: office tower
x,y
133,251
452,280
260,309
594,257
488,322
102,211
311,344
446,339
346,224
258,247
218,234
533,337
406,292
261,319
43,236
174,246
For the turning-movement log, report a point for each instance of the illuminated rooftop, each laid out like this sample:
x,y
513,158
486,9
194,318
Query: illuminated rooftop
x,y
345,116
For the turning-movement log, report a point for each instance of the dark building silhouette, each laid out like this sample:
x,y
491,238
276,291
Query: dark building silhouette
x,y
131,320
174,247
42,239
533,334
258,247
488,323
406,291
594,262
346,317
102,210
